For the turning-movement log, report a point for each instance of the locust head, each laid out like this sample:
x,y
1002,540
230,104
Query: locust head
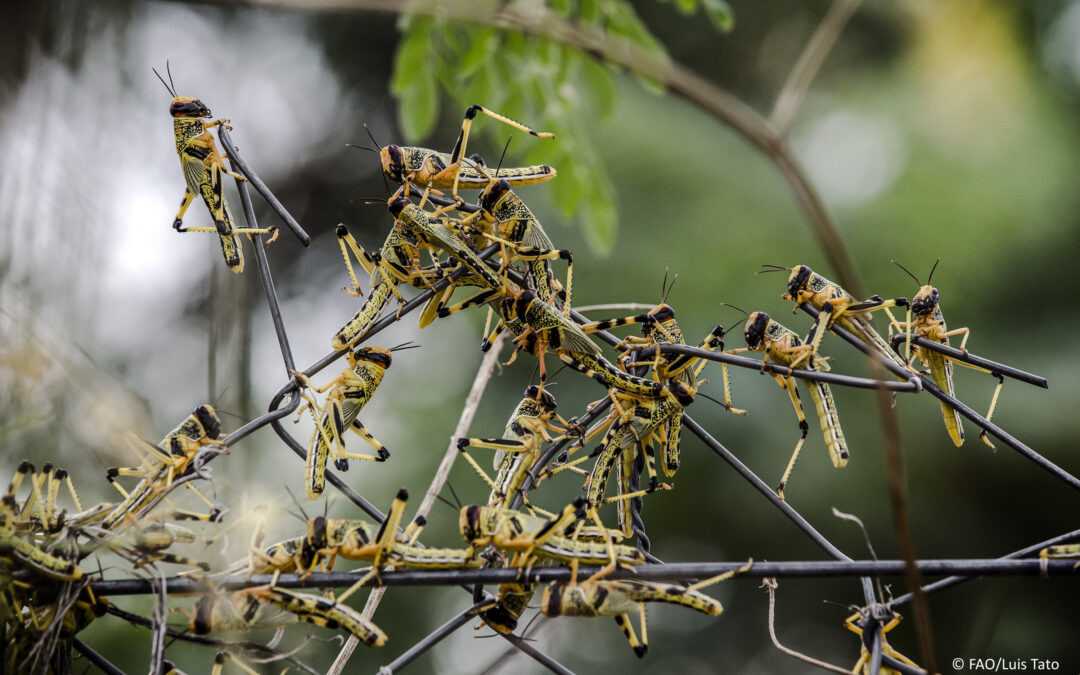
x,y
392,160
379,356
186,106
754,331
541,396
683,393
493,193
798,284
209,420
475,522
317,533
925,301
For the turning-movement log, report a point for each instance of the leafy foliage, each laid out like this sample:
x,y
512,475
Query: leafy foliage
x,y
545,85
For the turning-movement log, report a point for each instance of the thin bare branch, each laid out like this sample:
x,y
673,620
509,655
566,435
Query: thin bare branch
x,y
810,61
770,584
472,403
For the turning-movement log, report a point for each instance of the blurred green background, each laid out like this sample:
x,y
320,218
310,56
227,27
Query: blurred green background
x,y
935,130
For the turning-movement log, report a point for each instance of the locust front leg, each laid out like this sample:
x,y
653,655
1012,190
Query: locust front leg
x,y
966,332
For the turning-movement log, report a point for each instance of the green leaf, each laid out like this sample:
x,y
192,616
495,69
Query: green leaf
x,y
413,82
481,48
419,109
568,188
480,89
686,6
413,56
720,14
589,11
599,85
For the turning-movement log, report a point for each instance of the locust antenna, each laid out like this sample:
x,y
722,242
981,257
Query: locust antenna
x,y
448,503
556,374
168,69
503,156
386,184
297,502
723,405
898,264
932,271
296,515
372,136
361,147
665,288
163,83
738,309
454,494
772,268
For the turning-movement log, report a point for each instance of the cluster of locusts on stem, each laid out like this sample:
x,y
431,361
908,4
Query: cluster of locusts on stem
x,y
623,447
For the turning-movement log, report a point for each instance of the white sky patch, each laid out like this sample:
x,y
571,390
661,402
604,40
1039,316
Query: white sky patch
x,y
852,157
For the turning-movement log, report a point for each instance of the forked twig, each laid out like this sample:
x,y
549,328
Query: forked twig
x,y
770,584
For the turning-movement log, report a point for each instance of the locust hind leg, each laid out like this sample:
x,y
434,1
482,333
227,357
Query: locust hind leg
x,y
382,454
185,202
212,194
478,299
461,146
324,441
804,428
608,324
347,243
627,628
24,469
384,543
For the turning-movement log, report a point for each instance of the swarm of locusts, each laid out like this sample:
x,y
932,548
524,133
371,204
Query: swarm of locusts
x,y
496,253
